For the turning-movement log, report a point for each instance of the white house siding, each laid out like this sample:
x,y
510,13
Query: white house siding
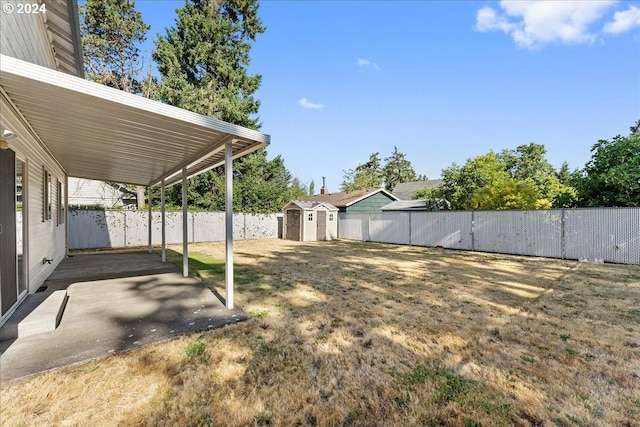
x,y
46,239
88,192
24,36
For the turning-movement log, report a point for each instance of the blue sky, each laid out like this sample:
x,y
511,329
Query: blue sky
x,y
442,81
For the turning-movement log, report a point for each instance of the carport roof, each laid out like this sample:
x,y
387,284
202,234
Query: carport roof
x,y
101,133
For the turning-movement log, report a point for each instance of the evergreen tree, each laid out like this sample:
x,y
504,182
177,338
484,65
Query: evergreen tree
x,y
203,60
366,176
111,32
397,169
312,188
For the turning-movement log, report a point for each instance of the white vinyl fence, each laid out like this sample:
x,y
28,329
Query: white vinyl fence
x,y
599,234
115,229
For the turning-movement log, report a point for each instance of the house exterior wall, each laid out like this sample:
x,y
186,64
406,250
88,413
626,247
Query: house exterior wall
x,y
88,192
46,239
370,204
24,36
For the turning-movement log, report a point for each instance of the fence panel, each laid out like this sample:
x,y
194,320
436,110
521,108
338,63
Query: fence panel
x,y
612,235
261,226
96,229
608,234
447,229
208,226
390,227
113,229
353,227
537,233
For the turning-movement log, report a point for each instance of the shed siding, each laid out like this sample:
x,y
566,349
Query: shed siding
x,y
332,225
372,203
45,238
18,38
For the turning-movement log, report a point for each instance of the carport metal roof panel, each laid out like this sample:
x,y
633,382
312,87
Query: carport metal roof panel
x,y
102,133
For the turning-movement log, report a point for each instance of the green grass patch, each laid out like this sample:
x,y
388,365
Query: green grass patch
x,y
259,314
207,268
197,352
470,394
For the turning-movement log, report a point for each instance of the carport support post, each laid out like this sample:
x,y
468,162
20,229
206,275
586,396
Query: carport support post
x,y
149,203
228,205
163,232
185,248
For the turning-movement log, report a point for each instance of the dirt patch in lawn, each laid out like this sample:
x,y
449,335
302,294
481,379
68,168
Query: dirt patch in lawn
x,y
351,333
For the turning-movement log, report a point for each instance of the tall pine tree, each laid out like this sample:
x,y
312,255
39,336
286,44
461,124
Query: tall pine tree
x,y
203,60
112,31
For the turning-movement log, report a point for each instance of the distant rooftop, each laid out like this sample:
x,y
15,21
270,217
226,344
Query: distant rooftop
x,y
345,199
406,190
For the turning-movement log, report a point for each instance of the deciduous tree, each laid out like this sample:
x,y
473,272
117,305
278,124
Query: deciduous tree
x,y
612,176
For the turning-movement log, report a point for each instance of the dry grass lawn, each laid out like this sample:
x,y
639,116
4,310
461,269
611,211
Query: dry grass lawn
x,y
362,334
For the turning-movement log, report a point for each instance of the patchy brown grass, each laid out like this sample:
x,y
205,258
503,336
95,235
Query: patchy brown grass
x,y
349,333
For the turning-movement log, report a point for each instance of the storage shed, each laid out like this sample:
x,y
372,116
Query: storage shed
x,y
310,221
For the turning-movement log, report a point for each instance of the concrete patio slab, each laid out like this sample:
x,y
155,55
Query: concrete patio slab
x,y
116,302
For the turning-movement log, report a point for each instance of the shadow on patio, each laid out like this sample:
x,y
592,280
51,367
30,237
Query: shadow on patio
x,y
116,302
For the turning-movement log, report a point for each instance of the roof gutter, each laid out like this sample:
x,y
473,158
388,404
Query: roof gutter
x,y
74,22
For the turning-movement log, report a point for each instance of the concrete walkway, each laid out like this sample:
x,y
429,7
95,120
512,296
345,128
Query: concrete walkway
x,y
116,302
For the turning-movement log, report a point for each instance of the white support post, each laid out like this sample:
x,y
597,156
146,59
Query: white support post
x,y
150,219
185,237
164,231
228,204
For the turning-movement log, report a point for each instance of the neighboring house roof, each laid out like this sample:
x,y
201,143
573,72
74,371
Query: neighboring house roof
x,y
349,198
406,190
310,205
406,205
433,205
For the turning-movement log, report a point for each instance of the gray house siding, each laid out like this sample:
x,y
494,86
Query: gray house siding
x,y
372,203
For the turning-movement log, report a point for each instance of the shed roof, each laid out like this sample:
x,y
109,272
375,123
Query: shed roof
x,y
406,190
101,133
346,199
307,205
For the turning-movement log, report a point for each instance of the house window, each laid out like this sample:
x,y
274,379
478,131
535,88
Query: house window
x,y
47,195
60,202
330,217
310,216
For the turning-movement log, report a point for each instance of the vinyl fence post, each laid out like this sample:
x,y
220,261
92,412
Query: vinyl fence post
x,y
562,235
473,230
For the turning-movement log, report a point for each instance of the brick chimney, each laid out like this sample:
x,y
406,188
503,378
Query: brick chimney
x,y
324,189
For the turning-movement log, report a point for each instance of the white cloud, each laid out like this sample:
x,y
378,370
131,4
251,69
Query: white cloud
x,y
623,21
532,24
308,104
366,63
